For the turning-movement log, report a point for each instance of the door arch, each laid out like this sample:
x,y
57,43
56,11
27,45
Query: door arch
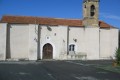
x,y
47,51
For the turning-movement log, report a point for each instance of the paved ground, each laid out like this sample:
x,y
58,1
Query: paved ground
x,y
55,70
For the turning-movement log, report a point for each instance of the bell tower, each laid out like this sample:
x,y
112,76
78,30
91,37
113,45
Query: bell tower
x,y
90,13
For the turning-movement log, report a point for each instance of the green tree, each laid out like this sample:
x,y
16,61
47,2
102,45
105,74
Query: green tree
x,y
117,56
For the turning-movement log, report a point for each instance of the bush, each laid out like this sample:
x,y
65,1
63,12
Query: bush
x,y
117,55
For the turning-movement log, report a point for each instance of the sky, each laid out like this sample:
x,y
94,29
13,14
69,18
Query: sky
x,y
109,10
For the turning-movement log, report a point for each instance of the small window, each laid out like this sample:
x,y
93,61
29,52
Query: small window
x,y
72,47
85,6
92,12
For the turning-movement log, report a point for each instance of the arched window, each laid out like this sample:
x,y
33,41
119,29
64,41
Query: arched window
x,y
72,47
92,11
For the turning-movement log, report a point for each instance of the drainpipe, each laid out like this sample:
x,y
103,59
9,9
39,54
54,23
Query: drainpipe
x,y
8,51
67,40
38,45
99,43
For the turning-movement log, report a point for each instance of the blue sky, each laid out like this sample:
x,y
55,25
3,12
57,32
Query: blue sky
x,y
109,9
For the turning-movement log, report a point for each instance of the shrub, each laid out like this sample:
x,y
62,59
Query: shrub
x,y
117,55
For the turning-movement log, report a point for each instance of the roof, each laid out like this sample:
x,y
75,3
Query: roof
x,y
48,21
105,25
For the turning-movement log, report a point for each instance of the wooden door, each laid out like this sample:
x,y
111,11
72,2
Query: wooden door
x,y
47,51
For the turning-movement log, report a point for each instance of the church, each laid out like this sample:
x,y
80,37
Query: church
x,y
38,38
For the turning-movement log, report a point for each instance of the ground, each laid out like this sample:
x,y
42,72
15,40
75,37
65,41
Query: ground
x,y
56,70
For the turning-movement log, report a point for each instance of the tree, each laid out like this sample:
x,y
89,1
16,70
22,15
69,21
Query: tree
x,y
117,56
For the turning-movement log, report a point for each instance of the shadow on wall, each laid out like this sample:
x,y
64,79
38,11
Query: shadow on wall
x,y
8,50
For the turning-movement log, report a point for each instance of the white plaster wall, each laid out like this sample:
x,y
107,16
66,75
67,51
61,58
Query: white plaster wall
x,y
79,34
63,40
87,41
3,41
92,43
44,34
114,41
108,42
57,38
23,41
105,43
19,41
33,41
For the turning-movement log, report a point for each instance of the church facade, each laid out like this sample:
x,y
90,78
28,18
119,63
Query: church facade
x,y
34,38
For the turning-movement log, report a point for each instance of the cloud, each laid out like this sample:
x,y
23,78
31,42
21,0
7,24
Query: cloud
x,y
109,16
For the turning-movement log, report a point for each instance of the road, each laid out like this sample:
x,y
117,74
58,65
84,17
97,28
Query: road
x,y
53,70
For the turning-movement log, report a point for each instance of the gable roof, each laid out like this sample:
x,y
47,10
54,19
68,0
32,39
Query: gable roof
x,y
48,21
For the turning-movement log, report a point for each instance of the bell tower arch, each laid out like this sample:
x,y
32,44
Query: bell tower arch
x,y
90,13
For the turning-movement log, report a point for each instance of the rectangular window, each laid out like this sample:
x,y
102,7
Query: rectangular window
x,y
72,47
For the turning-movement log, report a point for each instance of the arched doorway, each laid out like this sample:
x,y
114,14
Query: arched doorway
x,y
47,51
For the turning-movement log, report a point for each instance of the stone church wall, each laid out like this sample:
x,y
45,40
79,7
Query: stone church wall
x,y
87,41
33,41
77,37
57,37
114,41
108,43
3,41
92,43
17,41
22,41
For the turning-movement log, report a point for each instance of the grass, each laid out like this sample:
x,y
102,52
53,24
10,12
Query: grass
x,y
110,68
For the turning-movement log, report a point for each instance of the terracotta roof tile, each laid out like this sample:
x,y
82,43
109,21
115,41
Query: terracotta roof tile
x,y
48,21
104,25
